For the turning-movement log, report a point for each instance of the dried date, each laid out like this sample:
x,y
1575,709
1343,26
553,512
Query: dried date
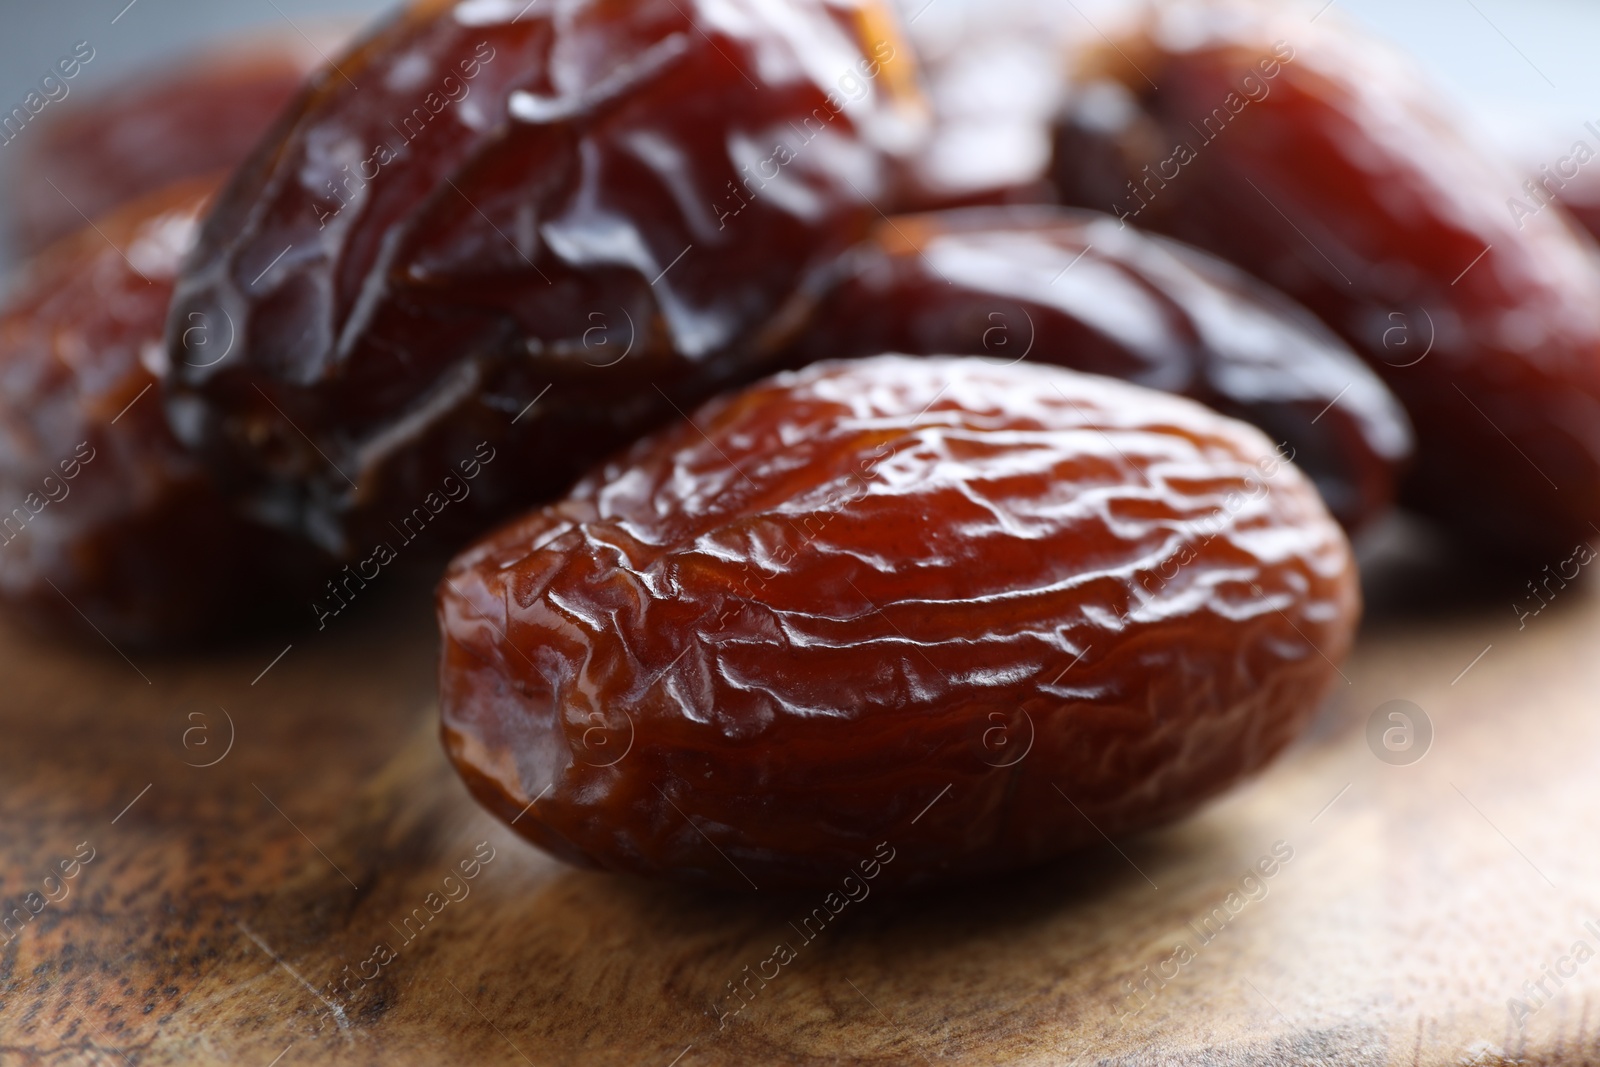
x,y
102,511
758,646
1318,161
145,135
1079,290
610,201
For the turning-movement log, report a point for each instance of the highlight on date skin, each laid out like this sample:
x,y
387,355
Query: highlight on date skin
x,y
1319,160
806,612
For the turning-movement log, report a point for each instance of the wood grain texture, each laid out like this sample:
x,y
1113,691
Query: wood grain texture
x,y
214,923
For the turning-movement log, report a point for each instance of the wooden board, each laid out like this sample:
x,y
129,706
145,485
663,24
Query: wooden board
x,y
222,904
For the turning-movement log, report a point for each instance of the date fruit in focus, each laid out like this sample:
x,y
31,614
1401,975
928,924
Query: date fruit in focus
x,y
144,135
968,612
541,227
1316,159
104,512
1079,290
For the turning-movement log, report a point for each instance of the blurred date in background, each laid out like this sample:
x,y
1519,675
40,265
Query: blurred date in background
x,y
1524,71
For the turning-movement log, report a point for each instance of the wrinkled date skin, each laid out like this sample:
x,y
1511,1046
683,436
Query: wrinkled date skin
x,y
611,200
104,512
1078,290
143,136
1315,159
959,612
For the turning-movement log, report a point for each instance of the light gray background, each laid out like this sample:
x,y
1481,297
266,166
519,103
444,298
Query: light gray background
x,y
1527,70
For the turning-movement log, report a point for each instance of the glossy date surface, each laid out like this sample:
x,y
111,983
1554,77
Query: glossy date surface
x,y
540,226
1079,290
756,648
1317,160
102,511
201,114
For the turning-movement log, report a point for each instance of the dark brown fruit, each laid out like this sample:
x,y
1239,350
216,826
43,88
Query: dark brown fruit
x,y
141,136
611,200
105,516
1315,159
1079,290
971,615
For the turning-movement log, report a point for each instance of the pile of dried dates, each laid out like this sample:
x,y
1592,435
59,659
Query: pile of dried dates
x,y
955,477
